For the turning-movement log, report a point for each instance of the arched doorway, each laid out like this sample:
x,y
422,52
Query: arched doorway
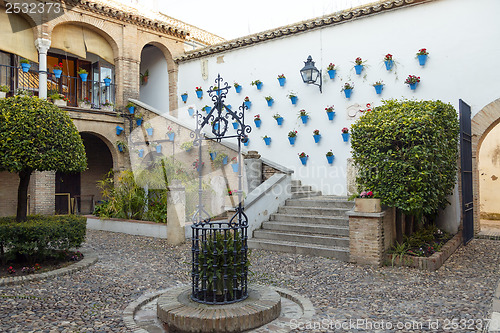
x,y
154,79
82,187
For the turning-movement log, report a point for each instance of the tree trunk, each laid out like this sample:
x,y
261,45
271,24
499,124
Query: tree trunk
x,y
22,195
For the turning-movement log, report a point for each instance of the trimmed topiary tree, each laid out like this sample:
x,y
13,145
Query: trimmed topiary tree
x,y
406,153
36,135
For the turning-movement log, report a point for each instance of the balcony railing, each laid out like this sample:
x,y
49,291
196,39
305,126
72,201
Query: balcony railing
x,y
97,93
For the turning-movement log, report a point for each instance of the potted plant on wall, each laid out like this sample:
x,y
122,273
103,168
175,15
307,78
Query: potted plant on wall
x,y
25,65
84,103
292,136
138,118
347,89
422,55
149,129
122,146
184,97
131,107
269,100
388,61
358,67
237,87
220,160
58,70
107,81
4,90
199,92
367,203
207,109
267,140
331,70
247,102
258,84
279,119
144,77
316,136
304,116
412,81
345,134
330,157
293,97
234,164
379,85
257,120
170,134
83,74
187,146
107,106
303,158
59,99
329,112
281,79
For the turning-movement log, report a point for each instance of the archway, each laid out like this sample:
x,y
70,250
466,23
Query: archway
x,y
154,78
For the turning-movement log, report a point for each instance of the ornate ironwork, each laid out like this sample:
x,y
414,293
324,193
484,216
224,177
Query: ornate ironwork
x,y
219,248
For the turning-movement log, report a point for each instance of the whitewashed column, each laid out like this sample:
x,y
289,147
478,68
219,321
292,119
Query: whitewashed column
x,y
42,46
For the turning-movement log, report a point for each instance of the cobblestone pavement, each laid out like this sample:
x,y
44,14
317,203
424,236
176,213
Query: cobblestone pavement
x,y
129,266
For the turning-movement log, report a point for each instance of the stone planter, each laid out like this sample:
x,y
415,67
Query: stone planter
x,y
60,102
367,205
107,107
84,105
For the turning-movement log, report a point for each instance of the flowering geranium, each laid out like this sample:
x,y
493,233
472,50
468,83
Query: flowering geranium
x,y
347,86
234,160
247,99
11,270
316,132
411,79
58,66
256,117
358,61
365,194
196,163
330,153
422,52
256,82
292,134
302,155
236,84
229,192
330,67
199,89
388,57
345,130
379,83
329,108
303,113
276,116
282,76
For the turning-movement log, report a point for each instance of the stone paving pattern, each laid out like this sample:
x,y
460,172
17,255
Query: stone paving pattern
x,y
93,300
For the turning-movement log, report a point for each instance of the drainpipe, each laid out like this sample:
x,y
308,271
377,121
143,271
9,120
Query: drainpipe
x,y
42,46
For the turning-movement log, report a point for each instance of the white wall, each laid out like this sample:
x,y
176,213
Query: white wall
x,y
489,173
155,92
460,36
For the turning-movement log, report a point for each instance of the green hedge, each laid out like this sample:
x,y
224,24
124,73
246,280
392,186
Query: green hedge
x,y
40,236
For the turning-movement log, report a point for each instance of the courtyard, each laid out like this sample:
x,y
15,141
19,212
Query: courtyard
x,y
93,299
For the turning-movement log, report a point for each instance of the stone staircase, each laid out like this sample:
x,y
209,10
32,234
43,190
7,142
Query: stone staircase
x,y
308,223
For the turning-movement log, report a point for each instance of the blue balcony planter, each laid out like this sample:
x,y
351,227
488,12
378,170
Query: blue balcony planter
x,y
293,99
141,153
413,86
213,155
248,104
25,67
171,136
378,88
347,93
158,149
282,81
331,73
330,115
270,102
345,137
119,130
107,82
199,93
191,112
131,109
388,64
292,139
236,125
184,97
267,141
422,59
238,89
149,131
279,120
235,167
304,119
303,160
57,73
246,143
358,69
120,148
138,121
83,76
330,159
257,123
317,138
224,160
259,86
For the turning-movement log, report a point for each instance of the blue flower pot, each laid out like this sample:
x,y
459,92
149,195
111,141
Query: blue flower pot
x,y
267,141
293,99
270,102
347,93
229,107
216,126
188,149
184,97
25,67
171,136
330,115
213,156
378,88
330,159
358,69
119,130
131,109
246,143
257,123
208,109
158,149
224,160
413,86
141,153
83,76
304,119
331,73
345,136
120,148
388,64
279,120
199,93
57,73
138,122
282,81
107,82
236,125
422,58
238,89
191,112
149,131
259,86
235,166
292,139
317,138
248,104
303,160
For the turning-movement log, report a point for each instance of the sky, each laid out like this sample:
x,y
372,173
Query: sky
x,y
235,18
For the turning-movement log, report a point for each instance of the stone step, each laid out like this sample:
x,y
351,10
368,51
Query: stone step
x,y
313,239
320,211
307,228
311,219
296,182
305,194
301,188
340,253
320,201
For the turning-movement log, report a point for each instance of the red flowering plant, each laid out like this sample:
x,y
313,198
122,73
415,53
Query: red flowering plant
x,y
199,89
302,155
347,85
58,66
422,52
411,79
256,117
196,163
282,76
366,194
229,192
11,270
247,99
292,134
330,67
316,132
234,160
388,57
329,108
345,130
358,61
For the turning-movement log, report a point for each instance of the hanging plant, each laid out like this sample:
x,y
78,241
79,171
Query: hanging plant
x,y
303,158
199,92
304,116
347,89
269,100
293,97
257,120
257,83
279,119
345,134
412,81
388,61
358,67
332,70
379,85
316,136
330,157
422,55
184,97
329,111
237,86
292,136
282,79
267,140
247,102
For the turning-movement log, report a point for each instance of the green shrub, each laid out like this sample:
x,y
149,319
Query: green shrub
x,y
40,236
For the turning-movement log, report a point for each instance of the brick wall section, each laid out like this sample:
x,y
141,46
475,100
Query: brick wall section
x,y
268,172
366,238
8,193
42,192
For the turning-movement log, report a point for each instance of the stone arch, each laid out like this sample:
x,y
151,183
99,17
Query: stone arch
x,y
107,141
481,124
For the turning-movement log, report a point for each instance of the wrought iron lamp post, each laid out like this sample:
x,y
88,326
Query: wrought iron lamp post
x,y
310,74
